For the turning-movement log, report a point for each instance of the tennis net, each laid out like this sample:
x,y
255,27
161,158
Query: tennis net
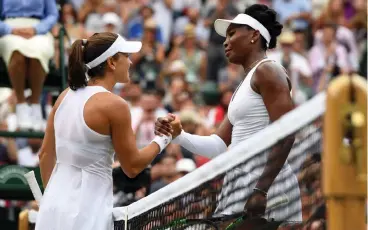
x,y
215,193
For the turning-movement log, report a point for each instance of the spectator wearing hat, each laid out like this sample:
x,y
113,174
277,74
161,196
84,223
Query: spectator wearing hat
x,y
171,70
186,48
96,10
184,166
296,65
112,23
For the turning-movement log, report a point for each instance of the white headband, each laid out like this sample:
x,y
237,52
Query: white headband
x,y
221,25
119,45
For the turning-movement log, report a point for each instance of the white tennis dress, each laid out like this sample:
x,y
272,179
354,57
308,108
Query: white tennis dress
x,y
248,115
79,194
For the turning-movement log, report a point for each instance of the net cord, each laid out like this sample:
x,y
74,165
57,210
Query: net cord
x,y
266,138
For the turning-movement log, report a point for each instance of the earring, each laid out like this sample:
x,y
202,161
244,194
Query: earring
x,y
113,68
252,41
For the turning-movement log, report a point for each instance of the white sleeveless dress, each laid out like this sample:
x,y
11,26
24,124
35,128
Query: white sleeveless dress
x,y
248,115
79,194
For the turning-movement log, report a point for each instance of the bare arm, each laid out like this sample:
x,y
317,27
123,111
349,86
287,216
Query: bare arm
x,y
203,67
132,160
160,54
224,131
47,154
270,81
12,149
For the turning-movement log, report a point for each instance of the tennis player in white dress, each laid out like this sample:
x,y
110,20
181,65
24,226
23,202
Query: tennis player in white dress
x,y
261,98
87,125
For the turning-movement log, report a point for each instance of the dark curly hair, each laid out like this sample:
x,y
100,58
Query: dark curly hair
x,y
268,18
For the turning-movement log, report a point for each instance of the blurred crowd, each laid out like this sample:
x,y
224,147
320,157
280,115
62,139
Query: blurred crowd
x,y
182,69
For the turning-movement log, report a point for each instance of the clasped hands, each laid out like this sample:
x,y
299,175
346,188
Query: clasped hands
x,y
169,125
24,32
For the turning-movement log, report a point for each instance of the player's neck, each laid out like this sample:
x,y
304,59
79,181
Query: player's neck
x,y
106,82
253,59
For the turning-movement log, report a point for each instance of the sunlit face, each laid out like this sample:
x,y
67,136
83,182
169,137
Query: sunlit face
x,y
121,71
238,43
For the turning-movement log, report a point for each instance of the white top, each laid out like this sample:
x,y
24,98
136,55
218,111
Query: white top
x,y
247,112
79,194
248,115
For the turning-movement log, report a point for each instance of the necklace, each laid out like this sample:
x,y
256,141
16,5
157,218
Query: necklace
x,y
246,71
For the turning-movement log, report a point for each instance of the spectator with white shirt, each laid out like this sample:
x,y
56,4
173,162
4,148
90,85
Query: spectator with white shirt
x,y
296,65
328,58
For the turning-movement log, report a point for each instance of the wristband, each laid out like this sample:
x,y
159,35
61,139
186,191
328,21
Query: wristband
x,y
260,191
162,141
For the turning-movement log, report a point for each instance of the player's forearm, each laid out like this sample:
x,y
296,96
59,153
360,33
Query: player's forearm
x,y
208,146
147,154
275,161
47,164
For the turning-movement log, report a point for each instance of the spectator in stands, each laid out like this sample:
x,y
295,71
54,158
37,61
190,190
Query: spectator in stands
x,y
296,65
145,118
215,52
328,58
184,166
294,13
8,146
192,16
136,24
147,62
334,11
112,23
164,14
300,43
94,20
186,48
28,156
172,70
69,16
230,77
26,46
167,164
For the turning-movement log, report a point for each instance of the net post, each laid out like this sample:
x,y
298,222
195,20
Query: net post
x,y
23,223
345,164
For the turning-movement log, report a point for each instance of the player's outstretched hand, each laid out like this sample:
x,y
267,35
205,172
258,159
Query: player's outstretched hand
x,y
163,126
169,125
176,126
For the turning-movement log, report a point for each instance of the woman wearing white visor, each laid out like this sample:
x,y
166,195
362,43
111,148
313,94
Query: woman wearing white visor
x,y
261,98
87,125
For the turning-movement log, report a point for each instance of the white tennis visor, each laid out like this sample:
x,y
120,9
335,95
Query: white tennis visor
x,y
119,45
221,25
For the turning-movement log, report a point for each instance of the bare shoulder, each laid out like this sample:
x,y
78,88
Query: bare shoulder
x,y
112,105
271,74
60,99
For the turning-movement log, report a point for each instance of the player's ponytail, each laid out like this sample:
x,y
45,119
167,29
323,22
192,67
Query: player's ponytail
x,y
77,77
